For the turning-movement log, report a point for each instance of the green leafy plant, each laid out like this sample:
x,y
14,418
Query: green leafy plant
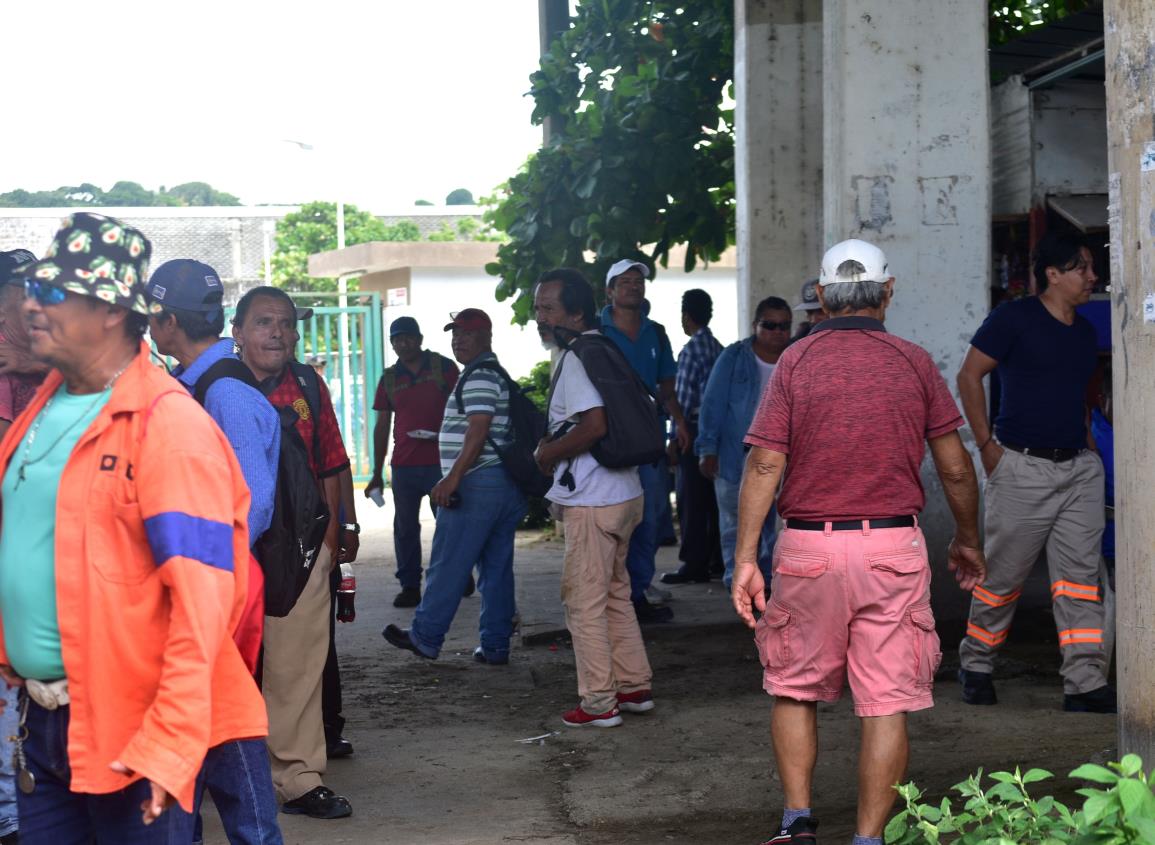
x,y
536,387
1120,813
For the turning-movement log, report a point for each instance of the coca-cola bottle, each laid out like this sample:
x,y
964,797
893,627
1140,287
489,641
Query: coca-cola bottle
x,y
346,593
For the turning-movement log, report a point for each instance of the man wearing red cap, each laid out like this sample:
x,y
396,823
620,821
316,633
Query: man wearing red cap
x,y
479,505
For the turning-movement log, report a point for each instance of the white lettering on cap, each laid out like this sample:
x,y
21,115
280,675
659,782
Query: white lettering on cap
x,y
212,281
158,291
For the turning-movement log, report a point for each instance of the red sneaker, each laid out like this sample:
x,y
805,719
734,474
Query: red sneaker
x,y
578,718
638,701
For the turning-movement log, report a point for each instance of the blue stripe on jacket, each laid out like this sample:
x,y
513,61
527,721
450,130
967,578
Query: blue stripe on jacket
x,y
177,534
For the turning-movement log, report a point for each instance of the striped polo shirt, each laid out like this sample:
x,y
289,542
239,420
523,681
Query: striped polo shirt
x,y
484,392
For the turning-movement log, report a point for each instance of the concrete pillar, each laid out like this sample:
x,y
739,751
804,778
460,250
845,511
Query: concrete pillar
x,y
1131,165
778,148
907,166
552,21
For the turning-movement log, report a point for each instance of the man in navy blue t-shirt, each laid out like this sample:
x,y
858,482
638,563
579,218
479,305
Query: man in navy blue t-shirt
x,y
1044,480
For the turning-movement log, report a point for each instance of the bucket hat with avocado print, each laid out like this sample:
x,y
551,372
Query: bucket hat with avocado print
x,y
96,256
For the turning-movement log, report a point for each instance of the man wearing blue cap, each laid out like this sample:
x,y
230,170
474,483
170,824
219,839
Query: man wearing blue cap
x,y
412,394
186,319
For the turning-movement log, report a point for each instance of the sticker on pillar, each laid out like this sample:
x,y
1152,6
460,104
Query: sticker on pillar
x,y
938,202
1147,157
1149,308
872,201
397,297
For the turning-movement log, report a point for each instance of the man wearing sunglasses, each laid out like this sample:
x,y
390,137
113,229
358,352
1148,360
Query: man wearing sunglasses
x,y
736,384
119,624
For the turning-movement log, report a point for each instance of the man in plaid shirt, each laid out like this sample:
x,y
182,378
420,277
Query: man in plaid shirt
x,y
697,507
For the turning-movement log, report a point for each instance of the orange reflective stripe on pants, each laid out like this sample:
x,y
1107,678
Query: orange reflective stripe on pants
x,y
985,636
1084,592
994,599
1073,636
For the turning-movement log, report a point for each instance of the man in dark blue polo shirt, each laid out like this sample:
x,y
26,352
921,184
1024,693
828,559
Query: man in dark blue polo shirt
x,y
1044,480
647,347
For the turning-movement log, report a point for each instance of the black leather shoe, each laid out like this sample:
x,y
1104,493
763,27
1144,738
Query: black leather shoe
x,y
651,613
470,587
685,576
1101,700
408,597
319,803
977,687
338,748
399,637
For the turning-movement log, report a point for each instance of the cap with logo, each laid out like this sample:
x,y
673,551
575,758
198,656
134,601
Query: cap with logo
x,y
873,260
625,264
809,297
97,256
10,261
184,285
404,325
469,320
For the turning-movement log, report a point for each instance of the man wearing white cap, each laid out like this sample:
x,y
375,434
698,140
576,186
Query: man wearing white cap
x,y
845,421
647,347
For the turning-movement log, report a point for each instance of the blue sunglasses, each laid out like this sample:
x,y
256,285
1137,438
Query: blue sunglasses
x,y
44,293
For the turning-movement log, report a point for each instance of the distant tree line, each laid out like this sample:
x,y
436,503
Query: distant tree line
x,y
123,193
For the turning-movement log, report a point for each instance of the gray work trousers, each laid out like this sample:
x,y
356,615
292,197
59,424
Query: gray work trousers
x,y
1032,504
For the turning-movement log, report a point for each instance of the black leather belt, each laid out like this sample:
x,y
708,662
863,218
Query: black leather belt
x,y
1056,455
852,524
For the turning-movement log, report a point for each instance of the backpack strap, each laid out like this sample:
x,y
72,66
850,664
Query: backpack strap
x,y
310,384
224,368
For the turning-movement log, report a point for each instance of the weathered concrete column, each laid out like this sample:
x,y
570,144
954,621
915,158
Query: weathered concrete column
x,y
906,166
1128,25
778,148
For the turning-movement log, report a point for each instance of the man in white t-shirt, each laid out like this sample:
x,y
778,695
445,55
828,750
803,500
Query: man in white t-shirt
x,y
600,507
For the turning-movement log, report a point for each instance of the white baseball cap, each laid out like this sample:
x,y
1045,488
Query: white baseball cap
x,y
624,265
868,255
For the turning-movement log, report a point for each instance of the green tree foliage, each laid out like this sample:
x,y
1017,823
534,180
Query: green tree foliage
x,y
1013,18
641,151
423,202
121,194
460,196
314,229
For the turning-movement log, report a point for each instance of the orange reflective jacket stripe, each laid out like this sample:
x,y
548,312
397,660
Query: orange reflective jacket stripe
x,y
1085,592
994,599
985,636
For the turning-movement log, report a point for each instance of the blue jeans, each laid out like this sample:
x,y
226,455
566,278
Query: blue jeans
x,y
238,777
54,815
644,541
9,725
478,531
410,485
727,493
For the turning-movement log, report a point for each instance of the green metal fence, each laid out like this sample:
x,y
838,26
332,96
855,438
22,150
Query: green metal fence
x,y
350,343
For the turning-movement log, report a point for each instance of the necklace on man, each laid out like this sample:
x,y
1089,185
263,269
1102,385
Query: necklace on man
x,y
27,460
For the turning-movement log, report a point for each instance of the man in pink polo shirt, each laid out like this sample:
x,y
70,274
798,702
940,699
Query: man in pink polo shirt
x,y
845,420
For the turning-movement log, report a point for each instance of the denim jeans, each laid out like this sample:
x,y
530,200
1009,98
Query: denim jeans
x,y
644,542
478,531
727,493
237,776
410,485
54,815
9,724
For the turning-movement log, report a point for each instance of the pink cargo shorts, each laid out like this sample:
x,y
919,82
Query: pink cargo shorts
x,y
854,603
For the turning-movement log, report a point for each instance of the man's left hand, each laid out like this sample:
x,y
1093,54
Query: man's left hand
x,y
967,563
748,591
350,545
160,800
685,441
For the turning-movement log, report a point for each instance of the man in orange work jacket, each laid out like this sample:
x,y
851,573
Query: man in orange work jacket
x,y
123,512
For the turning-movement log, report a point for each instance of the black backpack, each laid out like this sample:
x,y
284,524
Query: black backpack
x,y
528,426
288,549
635,434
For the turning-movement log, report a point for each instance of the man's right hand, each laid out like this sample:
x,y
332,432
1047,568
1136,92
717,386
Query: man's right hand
x,y
748,591
377,481
967,563
708,466
991,454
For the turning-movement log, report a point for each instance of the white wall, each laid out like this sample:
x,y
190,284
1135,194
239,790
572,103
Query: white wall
x,y
434,293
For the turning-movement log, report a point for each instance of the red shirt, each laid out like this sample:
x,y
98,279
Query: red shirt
x,y
852,407
329,456
418,403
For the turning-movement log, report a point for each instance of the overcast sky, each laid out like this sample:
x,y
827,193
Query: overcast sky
x,y
402,100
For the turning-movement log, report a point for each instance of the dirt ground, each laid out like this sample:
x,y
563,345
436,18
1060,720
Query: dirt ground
x,y
457,753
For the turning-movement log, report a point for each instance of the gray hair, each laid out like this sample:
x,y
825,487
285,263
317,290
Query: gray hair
x,y
852,296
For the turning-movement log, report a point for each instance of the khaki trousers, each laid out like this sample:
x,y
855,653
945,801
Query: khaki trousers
x,y
296,647
1034,504
595,589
